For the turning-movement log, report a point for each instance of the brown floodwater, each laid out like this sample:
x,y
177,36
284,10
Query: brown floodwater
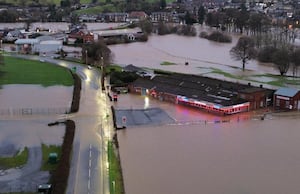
x,y
35,96
252,156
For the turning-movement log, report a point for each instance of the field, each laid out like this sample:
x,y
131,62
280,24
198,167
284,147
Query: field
x,y
44,2
22,71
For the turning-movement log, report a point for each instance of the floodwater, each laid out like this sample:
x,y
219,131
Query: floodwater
x,y
242,155
200,53
35,96
31,132
230,158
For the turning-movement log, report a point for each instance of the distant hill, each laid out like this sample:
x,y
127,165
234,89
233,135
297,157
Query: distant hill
x,y
42,2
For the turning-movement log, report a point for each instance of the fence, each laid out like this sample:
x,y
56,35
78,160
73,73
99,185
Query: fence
x,y
34,111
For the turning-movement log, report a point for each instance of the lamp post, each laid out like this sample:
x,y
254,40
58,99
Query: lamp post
x,y
86,59
102,73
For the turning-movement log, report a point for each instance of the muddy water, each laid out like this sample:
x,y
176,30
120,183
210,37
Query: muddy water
x,y
198,52
253,156
34,96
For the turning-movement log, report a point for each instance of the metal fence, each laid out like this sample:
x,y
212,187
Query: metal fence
x,y
34,111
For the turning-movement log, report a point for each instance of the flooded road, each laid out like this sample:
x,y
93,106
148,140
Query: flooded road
x,y
244,155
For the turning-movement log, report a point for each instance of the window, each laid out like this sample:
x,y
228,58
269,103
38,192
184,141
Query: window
x,y
277,102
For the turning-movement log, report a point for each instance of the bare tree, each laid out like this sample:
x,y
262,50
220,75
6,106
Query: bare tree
x,y
99,54
295,60
281,58
244,50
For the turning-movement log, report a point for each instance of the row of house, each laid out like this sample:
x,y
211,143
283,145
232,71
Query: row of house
x,y
135,16
215,96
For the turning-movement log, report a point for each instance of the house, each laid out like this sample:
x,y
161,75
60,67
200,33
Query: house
x,y
136,16
258,97
26,46
211,95
81,35
41,44
113,17
13,35
287,99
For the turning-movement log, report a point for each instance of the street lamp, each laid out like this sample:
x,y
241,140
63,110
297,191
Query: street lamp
x,y
102,73
86,59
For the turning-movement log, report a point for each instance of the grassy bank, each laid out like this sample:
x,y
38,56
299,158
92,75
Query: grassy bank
x,y
18,160
47,149
115,172
22,71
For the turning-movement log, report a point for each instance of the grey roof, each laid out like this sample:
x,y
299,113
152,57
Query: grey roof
x,y
26,41
132,68
45,37
289,92
196,87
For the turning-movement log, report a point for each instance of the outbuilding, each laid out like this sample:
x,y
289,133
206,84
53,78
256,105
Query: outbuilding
x,y
287,99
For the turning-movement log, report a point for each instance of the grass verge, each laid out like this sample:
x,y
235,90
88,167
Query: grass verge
x,y
46,150
23,71
115,172
18,160
167,63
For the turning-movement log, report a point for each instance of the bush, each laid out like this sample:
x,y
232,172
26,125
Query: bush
x,y
203,34
59,179
76,93
186,30
121,78
265,54
219,37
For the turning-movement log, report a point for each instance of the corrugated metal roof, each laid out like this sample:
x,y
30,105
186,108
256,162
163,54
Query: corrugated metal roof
x,y
26,41
289,92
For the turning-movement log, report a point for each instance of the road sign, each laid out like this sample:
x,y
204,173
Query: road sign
x,y
124,120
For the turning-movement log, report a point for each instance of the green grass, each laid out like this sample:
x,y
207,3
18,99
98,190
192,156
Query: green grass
x,y
113,68
97,9
115,175
21,193
22,71
47,149
44,2
225,74
167,63
18,160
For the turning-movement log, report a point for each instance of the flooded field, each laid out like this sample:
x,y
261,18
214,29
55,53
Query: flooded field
x,y
34,96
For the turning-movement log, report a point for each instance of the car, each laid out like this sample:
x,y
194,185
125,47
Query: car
x,y
89,67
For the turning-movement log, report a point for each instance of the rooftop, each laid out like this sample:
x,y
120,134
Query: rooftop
x,y
199,88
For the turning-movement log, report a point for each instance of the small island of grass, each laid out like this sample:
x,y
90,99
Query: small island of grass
x,y
167,63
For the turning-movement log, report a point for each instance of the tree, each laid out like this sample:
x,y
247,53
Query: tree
x,y
295,60
99,54
162,4
281,58
244,50
241,18
189,20
1,58
201,14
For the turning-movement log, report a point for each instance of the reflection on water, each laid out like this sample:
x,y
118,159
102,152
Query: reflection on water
x,y
35,96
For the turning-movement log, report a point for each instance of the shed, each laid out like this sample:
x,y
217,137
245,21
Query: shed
x,y
287,99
